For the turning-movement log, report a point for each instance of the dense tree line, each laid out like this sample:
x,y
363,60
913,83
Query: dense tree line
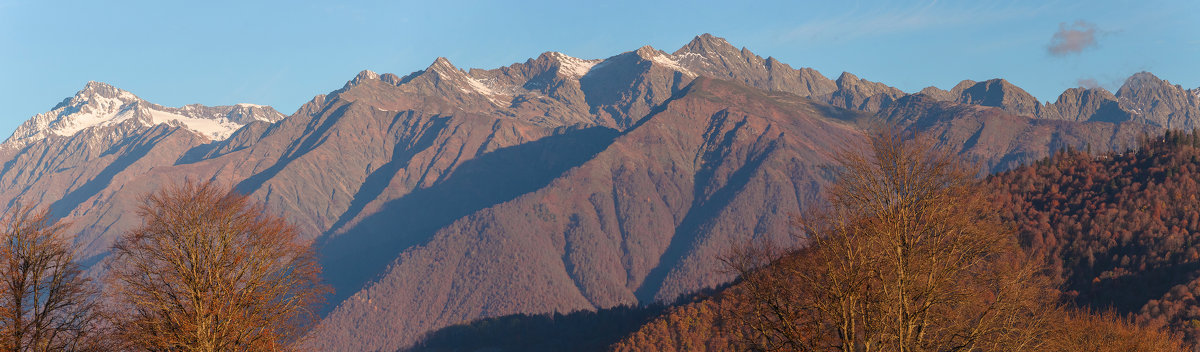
x,y
576,331
912,255
1120,230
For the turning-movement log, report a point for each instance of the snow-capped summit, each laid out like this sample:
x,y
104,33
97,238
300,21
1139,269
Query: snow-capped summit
x,y
447,72
659,58
570,66
100,105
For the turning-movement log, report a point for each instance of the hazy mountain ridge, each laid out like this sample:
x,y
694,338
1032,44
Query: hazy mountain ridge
x,y
1143,98
997,140
556,184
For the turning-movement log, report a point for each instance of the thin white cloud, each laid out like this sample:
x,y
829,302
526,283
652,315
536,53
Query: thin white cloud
x,y
858,22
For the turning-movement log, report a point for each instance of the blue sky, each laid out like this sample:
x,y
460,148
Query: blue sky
x,y
282,53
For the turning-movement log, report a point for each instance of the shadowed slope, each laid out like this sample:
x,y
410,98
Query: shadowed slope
x,y
642,220
364,248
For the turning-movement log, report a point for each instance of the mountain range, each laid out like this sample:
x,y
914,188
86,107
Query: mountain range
x,y
554,185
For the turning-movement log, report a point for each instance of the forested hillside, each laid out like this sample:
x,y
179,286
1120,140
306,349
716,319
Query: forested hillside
x,y
1117,232
1120,230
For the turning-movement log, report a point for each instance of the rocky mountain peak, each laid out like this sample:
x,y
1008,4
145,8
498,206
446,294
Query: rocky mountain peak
x,y
442,64
1086,93
104,90
365,75
569,66
936,93
961,86
662,59
1159,102
707,44
1140,82
846,79
99,105
1085,104
849,82
362,76
860,94
998,93
245,113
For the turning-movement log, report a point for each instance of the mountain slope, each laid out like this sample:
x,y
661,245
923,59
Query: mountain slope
x,y
78,158
556,184
642,219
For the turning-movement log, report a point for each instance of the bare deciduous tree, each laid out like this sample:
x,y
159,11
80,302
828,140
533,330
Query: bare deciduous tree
x,y
46,303
905,257
210,270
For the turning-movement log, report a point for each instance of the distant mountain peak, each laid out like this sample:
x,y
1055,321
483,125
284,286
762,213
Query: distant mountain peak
x,y
447,73
442,64
997,92
570,66
1141,82
1143,76
94,88
662,59
100,105
366,74
846,77
1160,102
362,76
707,43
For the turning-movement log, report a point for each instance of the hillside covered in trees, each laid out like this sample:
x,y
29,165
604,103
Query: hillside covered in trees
x,y
1120,230
1117,233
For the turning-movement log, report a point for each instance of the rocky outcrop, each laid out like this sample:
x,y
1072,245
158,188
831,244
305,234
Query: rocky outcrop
x,y
714,57
857,94
1086,104
1158,102
997,93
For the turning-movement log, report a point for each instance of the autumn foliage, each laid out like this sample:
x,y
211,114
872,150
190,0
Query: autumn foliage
x,y
210,270
46,303
1121,231
1083,331
906,257
912,254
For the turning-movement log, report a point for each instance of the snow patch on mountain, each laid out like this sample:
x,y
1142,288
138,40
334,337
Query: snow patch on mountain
x,y
484,90
478,86
82,121
465,83
669,62
215,129
572,66
692,58
664,60
98,111
100,105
